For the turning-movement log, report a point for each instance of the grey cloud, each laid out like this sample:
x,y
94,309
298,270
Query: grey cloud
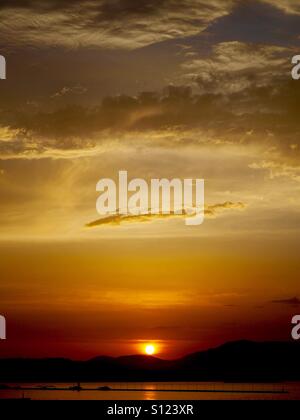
x,y
236,66
125,24
266,114
131,24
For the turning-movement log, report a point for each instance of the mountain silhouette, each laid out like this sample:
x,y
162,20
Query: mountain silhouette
x,y
234,361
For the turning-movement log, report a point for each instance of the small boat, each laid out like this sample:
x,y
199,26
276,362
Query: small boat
x,y
104,388
77,388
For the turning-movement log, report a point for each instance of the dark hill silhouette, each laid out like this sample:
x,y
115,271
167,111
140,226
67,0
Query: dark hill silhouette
x,y
247,360
143,362
235,361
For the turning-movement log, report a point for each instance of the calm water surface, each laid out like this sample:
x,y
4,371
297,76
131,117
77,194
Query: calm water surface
x,y
157,391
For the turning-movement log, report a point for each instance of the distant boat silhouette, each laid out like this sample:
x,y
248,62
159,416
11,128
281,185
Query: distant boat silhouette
x,y
77,387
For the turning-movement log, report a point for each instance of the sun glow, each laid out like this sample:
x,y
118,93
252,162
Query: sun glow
x,y
150,349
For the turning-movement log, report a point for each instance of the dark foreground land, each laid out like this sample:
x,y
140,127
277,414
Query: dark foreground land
x,y
241,361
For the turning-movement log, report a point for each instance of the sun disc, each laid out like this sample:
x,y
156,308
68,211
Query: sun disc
x,y
149,349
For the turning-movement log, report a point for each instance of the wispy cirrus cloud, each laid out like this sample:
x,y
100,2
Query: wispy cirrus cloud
x,y
211,211
125,24
235,66
69,90
289,6
278,169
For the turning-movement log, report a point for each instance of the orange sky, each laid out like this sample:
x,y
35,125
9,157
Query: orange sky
x,y
80,299
176,90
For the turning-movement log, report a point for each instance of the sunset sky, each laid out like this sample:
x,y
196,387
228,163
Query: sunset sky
x,y
166,88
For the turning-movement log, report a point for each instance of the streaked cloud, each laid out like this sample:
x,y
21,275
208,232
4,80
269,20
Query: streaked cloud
x,y
125,24
210,211
289,6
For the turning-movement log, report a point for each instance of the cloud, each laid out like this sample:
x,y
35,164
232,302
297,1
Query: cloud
x,y
125,24
215,209
257,114
278,170
289,6
235,66
69,90
223,89
292,301
210,211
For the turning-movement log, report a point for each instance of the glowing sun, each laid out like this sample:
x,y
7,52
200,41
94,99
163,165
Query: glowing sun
x,y
149,349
